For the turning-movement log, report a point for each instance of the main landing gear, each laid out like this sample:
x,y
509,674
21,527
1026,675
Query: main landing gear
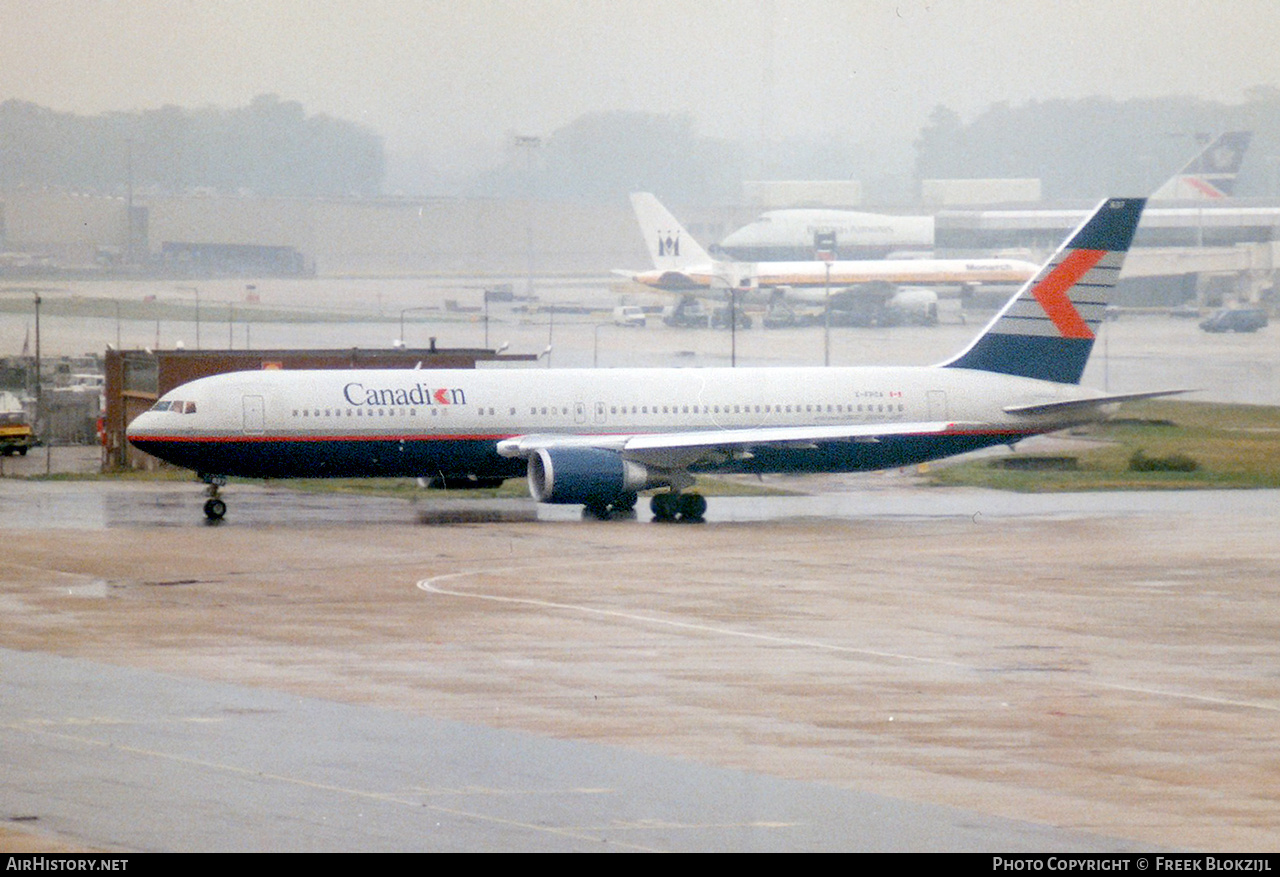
x,y
687,507
621,507
214,507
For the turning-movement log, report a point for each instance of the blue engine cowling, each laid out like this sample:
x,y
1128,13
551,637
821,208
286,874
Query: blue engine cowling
x,y
590,476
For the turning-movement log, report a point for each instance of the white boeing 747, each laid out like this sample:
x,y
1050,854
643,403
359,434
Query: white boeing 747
x,y
598,437
787,233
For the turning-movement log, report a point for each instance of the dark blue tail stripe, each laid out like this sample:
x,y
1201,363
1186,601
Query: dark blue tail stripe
x,y
1024,339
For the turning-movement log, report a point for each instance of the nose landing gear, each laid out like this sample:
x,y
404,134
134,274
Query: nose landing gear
x,y
214,507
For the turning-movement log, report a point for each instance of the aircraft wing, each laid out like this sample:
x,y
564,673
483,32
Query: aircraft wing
x,y
677,450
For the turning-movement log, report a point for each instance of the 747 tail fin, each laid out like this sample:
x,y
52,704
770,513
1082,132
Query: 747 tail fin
x,y
1047,330
670,246
1211,175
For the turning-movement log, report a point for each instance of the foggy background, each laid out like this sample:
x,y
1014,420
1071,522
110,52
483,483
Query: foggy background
x,y
685,99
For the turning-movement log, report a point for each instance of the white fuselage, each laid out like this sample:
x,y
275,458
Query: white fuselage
x,y
789,234
416,422
807,280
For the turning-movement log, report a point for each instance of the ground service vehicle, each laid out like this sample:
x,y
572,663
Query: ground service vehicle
x,y
16,434
1235,320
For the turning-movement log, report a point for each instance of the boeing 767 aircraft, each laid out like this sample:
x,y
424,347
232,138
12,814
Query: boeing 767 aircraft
x,y
598,437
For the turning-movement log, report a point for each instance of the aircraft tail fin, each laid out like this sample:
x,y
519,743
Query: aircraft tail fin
x,y
1047,330
670,246
1211,175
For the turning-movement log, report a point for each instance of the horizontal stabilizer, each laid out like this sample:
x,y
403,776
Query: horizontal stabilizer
x,y
1088,404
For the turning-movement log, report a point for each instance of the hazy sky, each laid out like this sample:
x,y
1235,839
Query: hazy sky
x,y
456,77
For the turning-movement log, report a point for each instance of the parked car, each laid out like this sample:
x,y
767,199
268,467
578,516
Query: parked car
x,y
1235,320
628,315
688,314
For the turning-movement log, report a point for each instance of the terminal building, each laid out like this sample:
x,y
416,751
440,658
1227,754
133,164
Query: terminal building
x,y
1192,244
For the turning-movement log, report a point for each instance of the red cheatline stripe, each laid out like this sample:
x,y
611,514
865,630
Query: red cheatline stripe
x,y
202,439
1053,292
319,438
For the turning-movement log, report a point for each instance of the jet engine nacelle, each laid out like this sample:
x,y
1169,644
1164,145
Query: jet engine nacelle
x,y
590,476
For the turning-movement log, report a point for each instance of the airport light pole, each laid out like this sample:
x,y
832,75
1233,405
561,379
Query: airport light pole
x,y
39,418
38,425
426,308
529,144
551,330
196,291
824,245
733,326
595,345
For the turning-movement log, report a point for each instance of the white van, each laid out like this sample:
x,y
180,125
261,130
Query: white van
x,y
628,315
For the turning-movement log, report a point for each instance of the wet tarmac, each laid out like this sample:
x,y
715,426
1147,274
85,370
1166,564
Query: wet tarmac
x,y
870,664
880,496
203,767
873,666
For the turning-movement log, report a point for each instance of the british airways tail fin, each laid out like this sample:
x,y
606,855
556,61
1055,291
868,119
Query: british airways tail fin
x,y
1046,331
1211,175
670,246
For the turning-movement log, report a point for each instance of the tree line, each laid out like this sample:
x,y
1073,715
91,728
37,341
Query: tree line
x,y
1095,147
270,147
1080,149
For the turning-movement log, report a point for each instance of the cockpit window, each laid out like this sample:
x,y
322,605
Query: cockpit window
x,y
174,405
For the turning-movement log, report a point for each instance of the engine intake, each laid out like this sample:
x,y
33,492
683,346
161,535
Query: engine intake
x,y
590,476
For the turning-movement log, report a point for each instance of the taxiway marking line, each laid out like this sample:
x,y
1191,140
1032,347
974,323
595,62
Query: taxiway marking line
x,y
431,586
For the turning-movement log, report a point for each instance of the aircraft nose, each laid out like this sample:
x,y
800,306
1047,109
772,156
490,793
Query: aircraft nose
x,y
141,426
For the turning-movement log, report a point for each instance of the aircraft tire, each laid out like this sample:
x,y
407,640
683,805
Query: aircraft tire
x,y
664,506
214,509
692,507
598,510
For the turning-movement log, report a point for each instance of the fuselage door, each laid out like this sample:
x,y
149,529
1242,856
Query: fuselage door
x,y
937,404
254,419
579,412
600,413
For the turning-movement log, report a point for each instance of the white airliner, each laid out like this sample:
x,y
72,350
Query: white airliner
x,y
597,437
681,265
788,233
1211,175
